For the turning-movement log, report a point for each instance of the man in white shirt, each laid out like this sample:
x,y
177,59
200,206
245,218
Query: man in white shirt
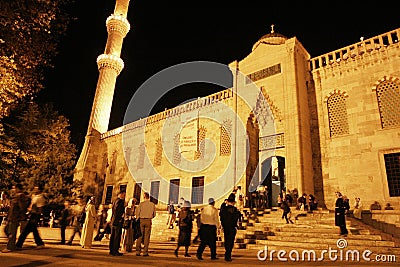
x,y
146,211
208,230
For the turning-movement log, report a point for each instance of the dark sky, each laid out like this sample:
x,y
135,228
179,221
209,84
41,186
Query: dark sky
x,y
165,33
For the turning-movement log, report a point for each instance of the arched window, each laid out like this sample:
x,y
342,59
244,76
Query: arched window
x,y
337,114
388,97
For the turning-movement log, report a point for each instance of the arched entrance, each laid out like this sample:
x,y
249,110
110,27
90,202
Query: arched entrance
x,y
273,177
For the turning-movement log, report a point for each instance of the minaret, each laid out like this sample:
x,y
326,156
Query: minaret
x,y
110,65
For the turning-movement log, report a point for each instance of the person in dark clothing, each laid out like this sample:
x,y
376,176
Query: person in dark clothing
x,y
185,223
16,214
286,211
35,211
341,206
117,220
66,216
229,216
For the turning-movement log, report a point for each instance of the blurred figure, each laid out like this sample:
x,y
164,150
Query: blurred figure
x,y
185,224
171,215
77,212
358,207
100,222
35,212
66,216
127,232
88,225
16,213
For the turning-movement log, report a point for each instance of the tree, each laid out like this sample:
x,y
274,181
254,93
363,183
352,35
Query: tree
x,y
37,150
29,36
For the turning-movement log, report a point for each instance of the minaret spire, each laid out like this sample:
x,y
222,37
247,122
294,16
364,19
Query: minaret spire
x,y
110,65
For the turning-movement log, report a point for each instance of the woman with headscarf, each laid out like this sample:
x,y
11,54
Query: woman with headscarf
x,y
127,229
88,225
185,224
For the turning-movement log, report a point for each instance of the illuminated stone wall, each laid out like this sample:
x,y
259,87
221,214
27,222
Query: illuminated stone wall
x,y
353,140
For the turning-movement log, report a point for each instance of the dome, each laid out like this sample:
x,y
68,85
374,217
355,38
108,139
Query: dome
x,y
272,38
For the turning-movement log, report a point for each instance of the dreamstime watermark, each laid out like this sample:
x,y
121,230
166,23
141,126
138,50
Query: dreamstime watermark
x,y
330,254
227,111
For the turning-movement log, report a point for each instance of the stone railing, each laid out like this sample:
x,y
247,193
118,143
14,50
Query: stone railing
x,y
370,45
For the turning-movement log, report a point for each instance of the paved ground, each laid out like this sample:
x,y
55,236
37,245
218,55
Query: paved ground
x,y
161,254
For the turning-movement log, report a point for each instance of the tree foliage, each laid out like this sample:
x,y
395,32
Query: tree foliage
x,y
29,36
36,149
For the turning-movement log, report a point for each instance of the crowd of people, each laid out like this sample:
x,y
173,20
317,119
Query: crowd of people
x,y
125,223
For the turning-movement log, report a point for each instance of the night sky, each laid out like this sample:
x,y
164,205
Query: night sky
x,y
165,33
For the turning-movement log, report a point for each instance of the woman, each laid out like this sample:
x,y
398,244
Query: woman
x,y
100,223
127,233
185,224
357,208
88,225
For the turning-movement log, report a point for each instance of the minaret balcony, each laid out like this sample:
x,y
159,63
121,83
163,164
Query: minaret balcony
x,y
110,61
118,23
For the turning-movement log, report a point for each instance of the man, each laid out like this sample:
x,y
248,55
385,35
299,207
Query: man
x,y
78,211
208,230
35,211
341,206
16,213
145,212
117,220
229,216
65,219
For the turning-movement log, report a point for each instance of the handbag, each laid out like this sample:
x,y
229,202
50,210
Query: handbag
x,y
126,224
136,229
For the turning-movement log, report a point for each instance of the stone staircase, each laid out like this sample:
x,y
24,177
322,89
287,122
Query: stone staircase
x,y
316,231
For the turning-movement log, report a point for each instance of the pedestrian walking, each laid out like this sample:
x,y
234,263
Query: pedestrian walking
x,y
185,224
127,231
88,225
66,216
117,220
78,211
208,230
100,222
171,215
145,212
35,212
16,213
341,206
229,216
286,211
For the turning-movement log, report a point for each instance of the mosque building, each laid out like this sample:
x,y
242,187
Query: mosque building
x,y
289,122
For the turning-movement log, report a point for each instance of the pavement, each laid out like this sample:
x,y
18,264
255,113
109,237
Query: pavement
x,y
161,254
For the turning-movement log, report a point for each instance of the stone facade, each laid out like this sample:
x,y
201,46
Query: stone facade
x,y
329,121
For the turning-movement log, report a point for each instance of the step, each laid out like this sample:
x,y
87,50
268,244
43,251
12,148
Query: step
x,y
326,235
275,248
332,241
307,245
